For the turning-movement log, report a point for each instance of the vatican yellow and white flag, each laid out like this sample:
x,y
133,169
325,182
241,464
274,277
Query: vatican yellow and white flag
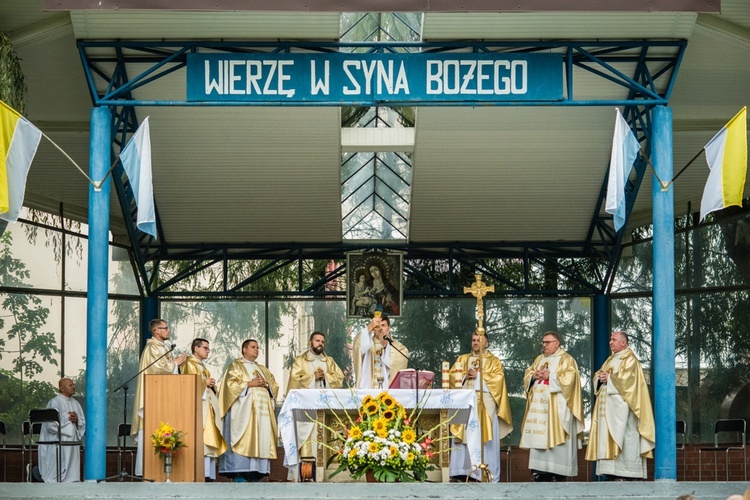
x,y
726,155
19,140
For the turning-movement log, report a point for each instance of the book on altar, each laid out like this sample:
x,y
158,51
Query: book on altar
x,y
407,379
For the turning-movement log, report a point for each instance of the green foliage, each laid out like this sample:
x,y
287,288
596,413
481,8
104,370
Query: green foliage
x,y
17,397
26,316
22,318
12,84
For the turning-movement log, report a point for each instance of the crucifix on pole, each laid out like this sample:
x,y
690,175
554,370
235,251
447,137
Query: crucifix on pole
x,y
479,289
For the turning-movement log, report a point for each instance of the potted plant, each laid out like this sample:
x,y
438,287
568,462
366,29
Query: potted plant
x,y
383,444
167,441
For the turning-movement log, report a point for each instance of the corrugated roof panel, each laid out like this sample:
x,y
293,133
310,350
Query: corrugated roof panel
x,y
176,25
558,25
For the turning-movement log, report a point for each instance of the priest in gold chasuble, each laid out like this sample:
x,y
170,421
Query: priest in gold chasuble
x,y
156,359
312,369
553,423
213,443
246,405
498,422
623,433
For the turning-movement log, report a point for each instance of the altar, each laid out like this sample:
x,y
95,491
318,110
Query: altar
x,y
439,406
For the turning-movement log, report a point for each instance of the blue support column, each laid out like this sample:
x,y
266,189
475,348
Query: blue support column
x,y
601,345
665,413
149,311
601,330
97,295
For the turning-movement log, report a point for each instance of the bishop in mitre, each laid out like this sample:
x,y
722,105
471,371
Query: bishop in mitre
x,y
553,423
247,405
489,381
213,443
622,433
376,356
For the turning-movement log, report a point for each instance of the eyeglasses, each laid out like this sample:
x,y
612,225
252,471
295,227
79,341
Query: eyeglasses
x,y
548,342
162,328
205,347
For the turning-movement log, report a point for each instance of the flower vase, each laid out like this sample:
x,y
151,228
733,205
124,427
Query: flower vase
x,y
168,466
370,477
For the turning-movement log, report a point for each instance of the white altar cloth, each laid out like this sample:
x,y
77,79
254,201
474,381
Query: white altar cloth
x,y
300,406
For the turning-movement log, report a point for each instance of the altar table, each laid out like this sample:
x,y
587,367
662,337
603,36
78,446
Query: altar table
x,y
444,406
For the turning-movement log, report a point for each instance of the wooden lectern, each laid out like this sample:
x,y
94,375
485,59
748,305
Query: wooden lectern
x,y
176,400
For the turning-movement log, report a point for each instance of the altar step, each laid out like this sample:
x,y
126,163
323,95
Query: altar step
x,y
661,490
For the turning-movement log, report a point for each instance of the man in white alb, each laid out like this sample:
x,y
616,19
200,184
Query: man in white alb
x,y
553,422
623,433
376,356
72,428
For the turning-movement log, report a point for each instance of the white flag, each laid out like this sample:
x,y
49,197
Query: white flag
x,y
624,150
136,160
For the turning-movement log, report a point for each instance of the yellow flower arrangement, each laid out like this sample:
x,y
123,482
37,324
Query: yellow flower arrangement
x,y
166,439
383,441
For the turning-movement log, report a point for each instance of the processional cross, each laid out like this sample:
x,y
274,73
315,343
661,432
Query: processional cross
x,y
479,289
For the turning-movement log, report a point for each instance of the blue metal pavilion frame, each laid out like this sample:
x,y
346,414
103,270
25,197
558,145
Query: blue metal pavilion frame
x,y
645,70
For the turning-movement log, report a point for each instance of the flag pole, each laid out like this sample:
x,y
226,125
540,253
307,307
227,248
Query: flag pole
x,y
688,164
97,186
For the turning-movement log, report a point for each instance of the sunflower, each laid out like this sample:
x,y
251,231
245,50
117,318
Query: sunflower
x,y
379,425
410,456
373,448
355,432
371,408
408,435
353,454
382,395
389,401
366,399
400,411
389,415
392,451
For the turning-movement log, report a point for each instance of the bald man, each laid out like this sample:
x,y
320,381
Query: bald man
x,y
72,428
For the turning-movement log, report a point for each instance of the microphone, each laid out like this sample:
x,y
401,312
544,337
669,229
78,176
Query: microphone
x,y
388,338
172,347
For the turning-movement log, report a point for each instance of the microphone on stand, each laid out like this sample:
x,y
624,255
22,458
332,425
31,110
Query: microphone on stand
x,y
388,338
171,348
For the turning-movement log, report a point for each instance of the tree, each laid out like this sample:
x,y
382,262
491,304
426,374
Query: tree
x,y
22,319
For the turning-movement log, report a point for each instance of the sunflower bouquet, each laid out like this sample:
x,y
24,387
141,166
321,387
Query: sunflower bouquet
x,y
166,439
382,440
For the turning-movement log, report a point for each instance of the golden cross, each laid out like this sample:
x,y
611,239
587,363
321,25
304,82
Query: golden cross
x,y
479,289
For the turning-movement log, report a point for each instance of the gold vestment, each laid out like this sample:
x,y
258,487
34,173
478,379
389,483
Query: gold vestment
x,y
494,378
233,383
165,366
631,384
213,442
568,378
301,374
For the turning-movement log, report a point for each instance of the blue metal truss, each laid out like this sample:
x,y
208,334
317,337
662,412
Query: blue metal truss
x,y
588,265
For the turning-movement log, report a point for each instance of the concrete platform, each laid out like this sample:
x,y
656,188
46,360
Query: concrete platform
x,y
661,490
